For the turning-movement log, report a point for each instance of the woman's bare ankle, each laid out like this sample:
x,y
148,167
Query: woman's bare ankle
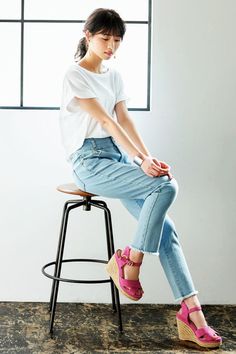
x,y
197,317
136,256
192,301
132,272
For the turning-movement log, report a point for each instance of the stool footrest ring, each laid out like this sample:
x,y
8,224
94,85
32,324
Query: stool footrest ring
x,y
76,280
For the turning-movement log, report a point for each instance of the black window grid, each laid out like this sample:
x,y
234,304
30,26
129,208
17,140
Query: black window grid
x,y
22,21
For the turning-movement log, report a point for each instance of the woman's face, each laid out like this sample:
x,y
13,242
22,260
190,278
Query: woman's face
x,y
104,45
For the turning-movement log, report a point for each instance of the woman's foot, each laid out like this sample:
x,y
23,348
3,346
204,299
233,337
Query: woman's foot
x,y
193,327
197,317
131,272
123,268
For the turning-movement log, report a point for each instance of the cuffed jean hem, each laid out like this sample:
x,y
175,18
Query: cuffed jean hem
x,y
144,252
186,296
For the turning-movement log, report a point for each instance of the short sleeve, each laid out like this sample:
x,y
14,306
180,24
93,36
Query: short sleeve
x,y
120,92
78,84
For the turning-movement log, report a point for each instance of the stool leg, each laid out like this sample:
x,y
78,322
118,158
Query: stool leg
x,y
59,245
59,262
111,239
109,246
111,251
58,249
58,271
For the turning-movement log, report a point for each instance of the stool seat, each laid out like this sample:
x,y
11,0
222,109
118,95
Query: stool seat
x,y
71,188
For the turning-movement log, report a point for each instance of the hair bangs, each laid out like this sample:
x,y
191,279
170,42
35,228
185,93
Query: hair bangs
x,y
109,22
113,30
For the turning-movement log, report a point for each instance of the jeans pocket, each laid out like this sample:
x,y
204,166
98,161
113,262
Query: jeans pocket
x,y
90,164
85,156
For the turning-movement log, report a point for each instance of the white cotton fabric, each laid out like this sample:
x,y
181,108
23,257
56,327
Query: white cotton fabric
x,y
76,124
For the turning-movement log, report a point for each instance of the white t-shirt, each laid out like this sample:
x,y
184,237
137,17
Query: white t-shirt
x,y
76,124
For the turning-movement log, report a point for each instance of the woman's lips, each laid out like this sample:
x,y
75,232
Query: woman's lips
x,y
109,53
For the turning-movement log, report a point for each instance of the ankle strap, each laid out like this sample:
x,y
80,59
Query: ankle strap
x,y
196,308
186,311
129,262
125,256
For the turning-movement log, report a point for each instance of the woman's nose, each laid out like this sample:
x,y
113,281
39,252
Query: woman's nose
x,y
111,44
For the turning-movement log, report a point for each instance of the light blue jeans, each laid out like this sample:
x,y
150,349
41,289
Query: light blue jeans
x,y
101,167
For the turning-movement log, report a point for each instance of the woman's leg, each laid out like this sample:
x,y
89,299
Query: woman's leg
x,y
171,255
173,262
102,174
102,170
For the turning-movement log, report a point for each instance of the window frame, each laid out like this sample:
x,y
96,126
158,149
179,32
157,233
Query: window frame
x,y
22,21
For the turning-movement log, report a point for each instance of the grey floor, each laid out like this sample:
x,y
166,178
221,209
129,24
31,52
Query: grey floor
x,y
92,328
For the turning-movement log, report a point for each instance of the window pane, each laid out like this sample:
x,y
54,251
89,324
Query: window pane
x,y
131,61
10,64
49,50
10,9
80,9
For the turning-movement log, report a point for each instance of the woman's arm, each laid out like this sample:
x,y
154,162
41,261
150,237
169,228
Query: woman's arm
x,y
127,124
132,147
94,108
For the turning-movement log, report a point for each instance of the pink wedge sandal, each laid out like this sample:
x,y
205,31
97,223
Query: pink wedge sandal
x,y
130,288
205,337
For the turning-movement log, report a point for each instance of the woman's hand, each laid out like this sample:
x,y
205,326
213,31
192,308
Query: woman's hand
x,y
154,168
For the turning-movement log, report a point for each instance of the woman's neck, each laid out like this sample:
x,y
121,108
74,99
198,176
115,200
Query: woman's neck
x,y
91,63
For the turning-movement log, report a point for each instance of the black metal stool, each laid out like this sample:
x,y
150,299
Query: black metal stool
x,y
87,203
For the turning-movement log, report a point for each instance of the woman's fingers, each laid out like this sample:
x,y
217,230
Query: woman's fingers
x,y
162,166
156,173
156,162
154,168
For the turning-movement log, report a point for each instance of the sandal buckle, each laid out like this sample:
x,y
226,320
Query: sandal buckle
x,y
124,257
128,261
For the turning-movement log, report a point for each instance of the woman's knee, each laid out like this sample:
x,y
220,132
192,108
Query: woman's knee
x,y
171,188
174,186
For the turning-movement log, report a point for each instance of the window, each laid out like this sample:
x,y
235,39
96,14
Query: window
x,y
38,40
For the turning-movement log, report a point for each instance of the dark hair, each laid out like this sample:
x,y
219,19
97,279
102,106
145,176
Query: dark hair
x,y
101,21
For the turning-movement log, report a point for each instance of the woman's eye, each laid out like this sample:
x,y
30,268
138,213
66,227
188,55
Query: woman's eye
x,y
107,39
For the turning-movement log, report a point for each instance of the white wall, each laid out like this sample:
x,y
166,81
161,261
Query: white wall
x,y
191,126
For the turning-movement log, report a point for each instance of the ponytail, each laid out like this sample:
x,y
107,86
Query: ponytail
x,y
81,49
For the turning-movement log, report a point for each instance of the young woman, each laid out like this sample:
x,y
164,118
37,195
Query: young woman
x,y
109,158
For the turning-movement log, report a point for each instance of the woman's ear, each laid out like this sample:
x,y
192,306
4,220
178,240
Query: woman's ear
x,y
87,35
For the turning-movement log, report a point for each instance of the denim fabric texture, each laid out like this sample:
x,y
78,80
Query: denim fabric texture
x,y
101,167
